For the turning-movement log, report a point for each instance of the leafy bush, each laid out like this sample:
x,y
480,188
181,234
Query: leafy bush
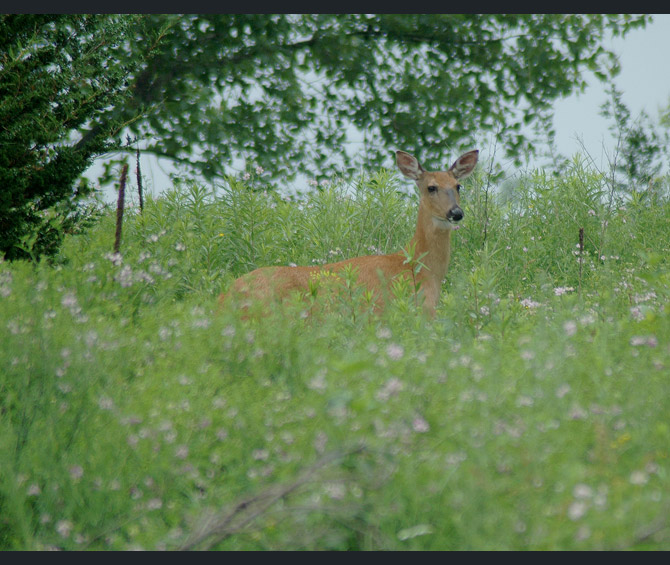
x,y
58,73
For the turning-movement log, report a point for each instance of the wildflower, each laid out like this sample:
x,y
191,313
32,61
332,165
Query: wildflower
x,y
64,528
570,328
586,320
465,360
246,176
649,341
637,313
318,382
591,212
638,478
124,277
259,170
637,298
391,388
395,351
336,491
179,246
419,425
583,533
576,510
383,333
527,355
287,438
577,413
313,182
154,504
115,258
181,452
145,277
529,303
156,269
453,459
202,323
562,390
34,490
560,290
105,403
76,472
69,300
260,454
582,491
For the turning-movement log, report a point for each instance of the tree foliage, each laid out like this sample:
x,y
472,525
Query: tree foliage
x,y
282,90
641,145
58,73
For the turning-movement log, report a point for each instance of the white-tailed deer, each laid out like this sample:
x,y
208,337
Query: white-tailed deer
x,y
439,213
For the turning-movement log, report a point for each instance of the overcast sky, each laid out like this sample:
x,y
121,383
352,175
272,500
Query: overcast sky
x,y
644,55
644,80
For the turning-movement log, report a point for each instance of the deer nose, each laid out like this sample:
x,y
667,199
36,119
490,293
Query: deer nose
x,y
455,214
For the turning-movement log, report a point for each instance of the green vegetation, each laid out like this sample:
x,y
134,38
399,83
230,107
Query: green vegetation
x,y
58,72
531,413
284,90
213,92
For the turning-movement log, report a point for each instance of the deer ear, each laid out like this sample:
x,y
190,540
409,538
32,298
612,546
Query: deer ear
x,y
465,164
408,165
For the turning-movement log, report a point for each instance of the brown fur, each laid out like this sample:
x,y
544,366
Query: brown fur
x,y
432,238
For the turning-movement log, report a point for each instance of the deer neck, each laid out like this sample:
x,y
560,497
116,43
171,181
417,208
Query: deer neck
x,y
432,238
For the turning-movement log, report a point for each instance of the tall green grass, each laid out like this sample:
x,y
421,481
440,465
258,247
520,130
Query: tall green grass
x,y
531,413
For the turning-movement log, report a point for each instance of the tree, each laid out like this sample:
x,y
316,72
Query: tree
x,y
640,146
281,90
58,74
277,90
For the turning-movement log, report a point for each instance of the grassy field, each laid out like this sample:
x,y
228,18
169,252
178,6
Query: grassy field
x,y
532,413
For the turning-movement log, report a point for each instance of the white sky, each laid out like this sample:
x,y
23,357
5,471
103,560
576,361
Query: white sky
x,y
644,80
644,56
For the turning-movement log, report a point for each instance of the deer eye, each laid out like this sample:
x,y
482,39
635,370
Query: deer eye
x,y
458,187
432,188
